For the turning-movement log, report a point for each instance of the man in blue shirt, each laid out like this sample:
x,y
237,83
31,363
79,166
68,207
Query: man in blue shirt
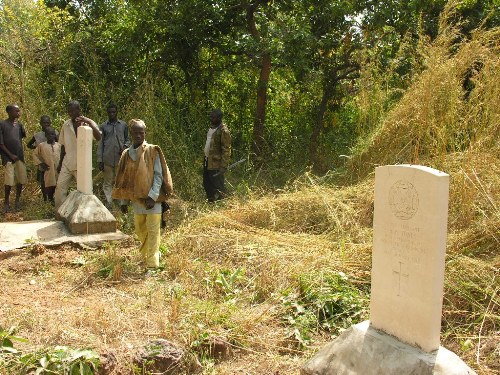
x,y
114,140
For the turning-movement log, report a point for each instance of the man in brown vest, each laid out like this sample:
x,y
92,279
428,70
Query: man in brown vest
x,y
144,179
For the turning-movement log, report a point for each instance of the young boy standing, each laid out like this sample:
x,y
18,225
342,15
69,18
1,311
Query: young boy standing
x,y
46,156
38,138
11,149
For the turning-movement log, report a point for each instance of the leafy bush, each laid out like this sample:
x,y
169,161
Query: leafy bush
x,y
59,360
324,301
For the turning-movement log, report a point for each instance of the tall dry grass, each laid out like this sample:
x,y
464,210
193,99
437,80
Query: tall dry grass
x,y
449,119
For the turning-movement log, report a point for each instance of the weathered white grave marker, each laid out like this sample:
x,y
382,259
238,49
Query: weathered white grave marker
x,y
409,244
82,211
84,159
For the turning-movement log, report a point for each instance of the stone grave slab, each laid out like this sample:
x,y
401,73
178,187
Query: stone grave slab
x,y
17,235
85,214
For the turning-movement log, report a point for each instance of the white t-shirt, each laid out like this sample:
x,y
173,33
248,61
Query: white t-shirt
x,y
210,133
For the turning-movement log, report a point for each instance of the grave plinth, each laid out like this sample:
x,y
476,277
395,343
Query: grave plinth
x,y
408,262
364,350
83,212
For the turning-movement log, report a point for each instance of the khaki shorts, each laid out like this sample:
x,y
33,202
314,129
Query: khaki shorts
x,y
15,173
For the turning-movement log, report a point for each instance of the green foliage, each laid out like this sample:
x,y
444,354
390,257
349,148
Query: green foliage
x,y
326,301
110,264
228,281
336,68
60,360
63,360
7,339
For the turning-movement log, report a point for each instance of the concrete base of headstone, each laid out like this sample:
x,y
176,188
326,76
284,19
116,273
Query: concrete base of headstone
x,y
85,214
363,350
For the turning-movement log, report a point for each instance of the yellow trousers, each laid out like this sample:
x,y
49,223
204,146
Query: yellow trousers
x,y
147,228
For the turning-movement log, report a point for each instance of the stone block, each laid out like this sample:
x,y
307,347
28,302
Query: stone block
x,y
85,214
364,350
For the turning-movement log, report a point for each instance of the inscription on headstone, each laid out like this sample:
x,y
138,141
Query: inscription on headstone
x,y
409,243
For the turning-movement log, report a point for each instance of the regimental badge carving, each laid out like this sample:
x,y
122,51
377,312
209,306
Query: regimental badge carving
x,y
403,199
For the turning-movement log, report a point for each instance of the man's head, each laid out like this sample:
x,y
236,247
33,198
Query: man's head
x,y
112,112
216,117
50,134
45,122
74,109
138,131
13,111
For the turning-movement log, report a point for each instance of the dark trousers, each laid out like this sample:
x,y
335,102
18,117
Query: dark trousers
x,y
213,185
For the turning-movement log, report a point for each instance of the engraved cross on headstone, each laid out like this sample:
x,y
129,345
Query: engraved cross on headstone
x,y
400,274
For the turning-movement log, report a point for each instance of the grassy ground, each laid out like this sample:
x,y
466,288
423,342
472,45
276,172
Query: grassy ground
x,y
275,276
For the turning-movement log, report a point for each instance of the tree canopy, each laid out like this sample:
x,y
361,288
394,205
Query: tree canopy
x,y
288,74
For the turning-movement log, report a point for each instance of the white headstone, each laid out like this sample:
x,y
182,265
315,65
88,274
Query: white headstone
x,y
84,160
409,244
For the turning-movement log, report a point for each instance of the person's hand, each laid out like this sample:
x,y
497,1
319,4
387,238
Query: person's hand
x,y
101,166
44,167
82,120
14,158
124,208
149,203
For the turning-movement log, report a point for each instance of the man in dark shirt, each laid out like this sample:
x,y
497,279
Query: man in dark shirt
x,y
217,155
114,140
11,149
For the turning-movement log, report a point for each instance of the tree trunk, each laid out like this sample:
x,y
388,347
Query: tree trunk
x,y
319,125
265,71
260,115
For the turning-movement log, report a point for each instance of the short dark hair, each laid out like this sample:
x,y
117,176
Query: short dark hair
x,y
217,112
111,105
10,107
50,128
44,117
74,103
